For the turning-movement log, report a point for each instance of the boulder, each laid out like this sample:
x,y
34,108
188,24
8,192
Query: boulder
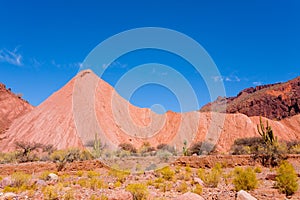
x,y
243,195
189,196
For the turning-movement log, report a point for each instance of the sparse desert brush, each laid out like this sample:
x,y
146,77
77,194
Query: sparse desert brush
x,y
182,187
167,173
20,179
80,173
83,182
200,148
117,184
257,169
85,155
118,174
188,169
69,195
128,147
139,191
44,175
164,187
197,189
92,174
211,178
163,155
96,183
286,179
9,157
244,179
166,147
50,192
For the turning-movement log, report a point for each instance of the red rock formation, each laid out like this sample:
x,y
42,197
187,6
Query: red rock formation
x,y
87,105
11,107
274,101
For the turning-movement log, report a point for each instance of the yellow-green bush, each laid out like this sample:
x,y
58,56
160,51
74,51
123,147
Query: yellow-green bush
x,y
50,193
286,179
44,175
211,178
19,179
244,179
119,175
198,189
257,170
92,174
139,191
96,183
182,187
167,173
80,173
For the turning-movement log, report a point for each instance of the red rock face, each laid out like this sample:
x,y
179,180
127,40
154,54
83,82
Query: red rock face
x,y
11,107
274,101
87,106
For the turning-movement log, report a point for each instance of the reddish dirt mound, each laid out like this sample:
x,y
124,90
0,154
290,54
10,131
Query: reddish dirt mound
x,y
274,101
11,107
87,106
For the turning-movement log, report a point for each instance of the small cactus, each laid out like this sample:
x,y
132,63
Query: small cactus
x,y
266,133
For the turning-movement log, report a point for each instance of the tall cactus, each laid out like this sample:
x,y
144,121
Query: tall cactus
x,y
266,133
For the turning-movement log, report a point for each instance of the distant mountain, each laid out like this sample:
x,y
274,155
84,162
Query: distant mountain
x,y
12,106
273,101
87,105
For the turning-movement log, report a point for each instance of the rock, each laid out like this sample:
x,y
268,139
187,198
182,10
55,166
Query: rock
x,y
8,195
271,177
273,101
199,181
5,182
52,177
169,127
120,195
40,182
189,196
243,195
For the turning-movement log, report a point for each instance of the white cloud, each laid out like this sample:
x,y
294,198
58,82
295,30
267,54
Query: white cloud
x,y
257,83
69,65
231,78
11,57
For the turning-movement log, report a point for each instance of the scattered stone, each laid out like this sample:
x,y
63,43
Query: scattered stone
x,y
199,181
120,195
40,182
271,177
52,177
8,195
189,196
5,182
243,195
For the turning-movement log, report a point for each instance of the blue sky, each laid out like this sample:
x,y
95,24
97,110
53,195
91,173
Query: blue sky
x,y
42,43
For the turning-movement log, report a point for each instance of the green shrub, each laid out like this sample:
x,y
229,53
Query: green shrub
x,y
119,175
257,170
200,148
127,147
244,179
163,155
182,187
166,147
211,178
167,173
198,189
20,179
139,191
286,179
92,174
50,193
